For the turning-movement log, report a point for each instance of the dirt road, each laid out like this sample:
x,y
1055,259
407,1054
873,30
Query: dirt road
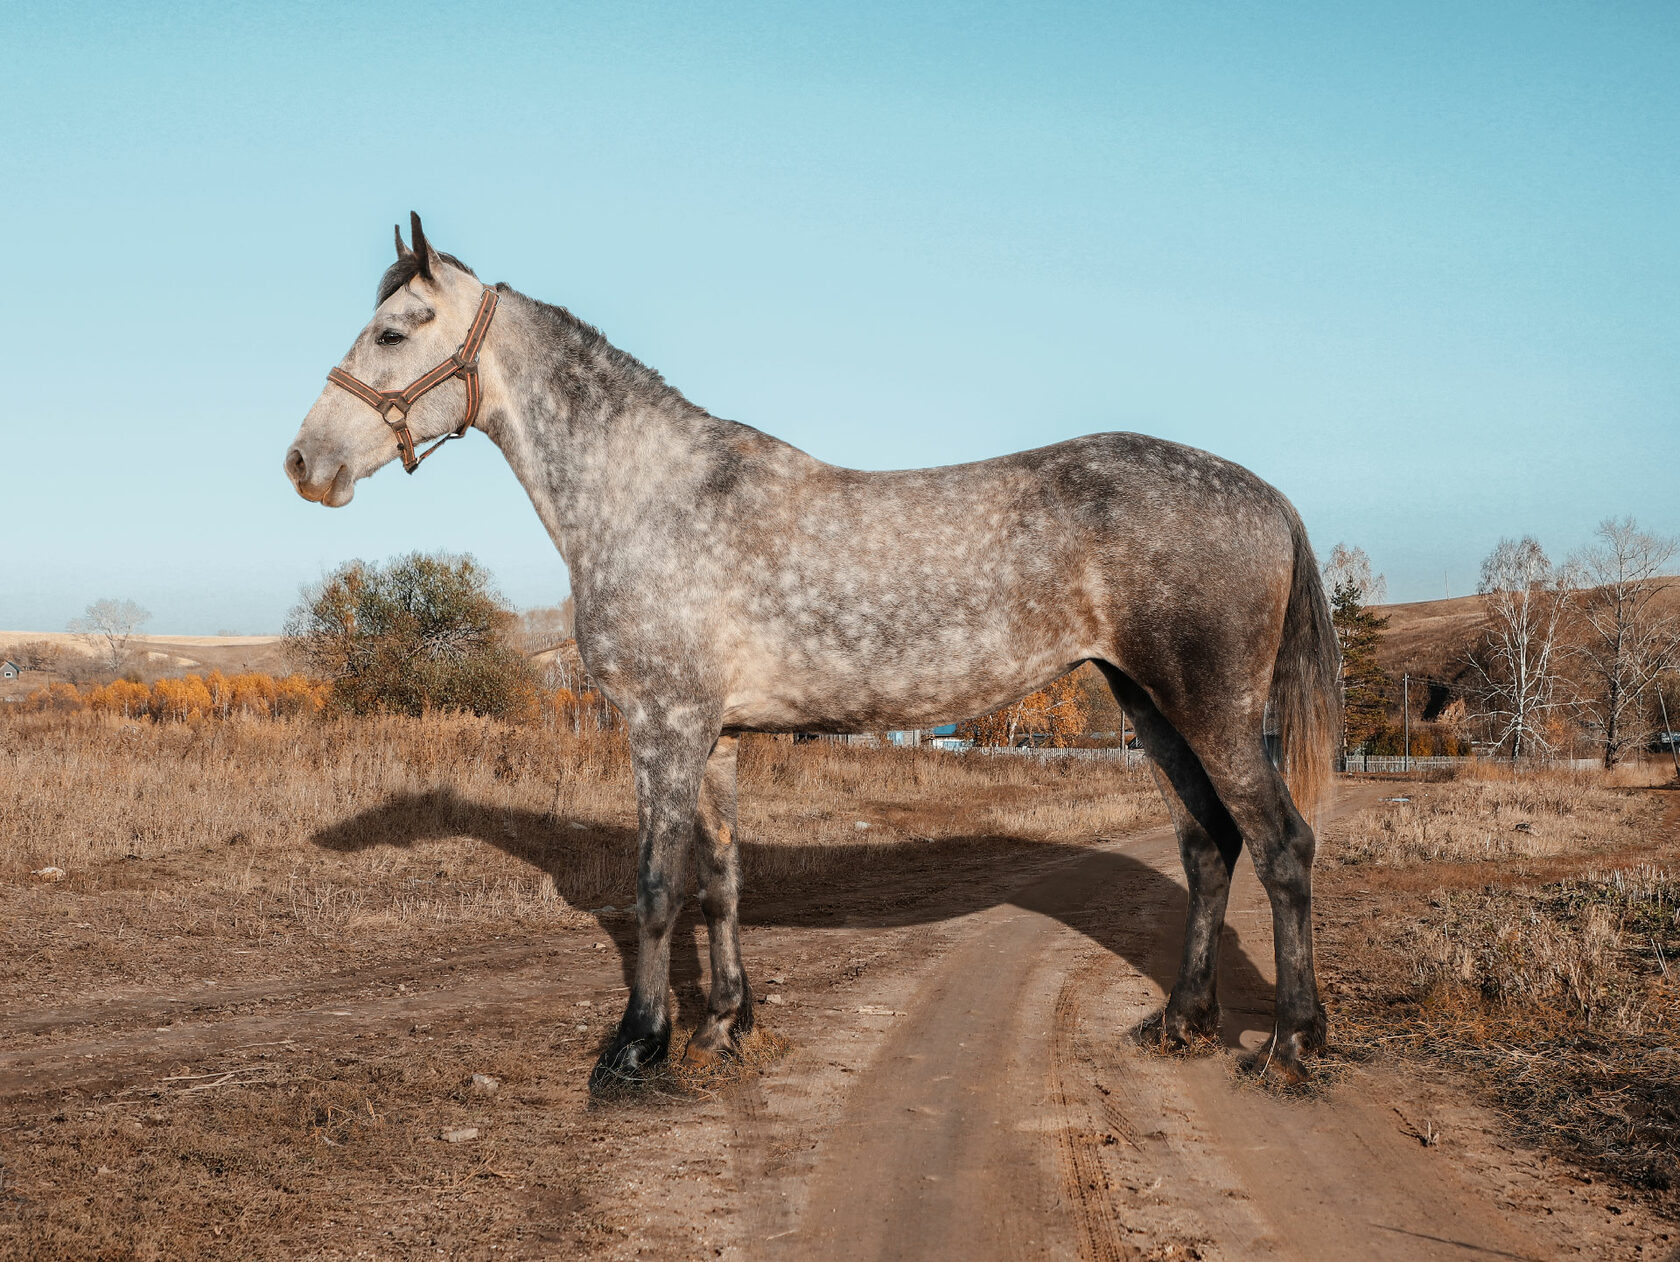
x,y
1005,1115
960,1083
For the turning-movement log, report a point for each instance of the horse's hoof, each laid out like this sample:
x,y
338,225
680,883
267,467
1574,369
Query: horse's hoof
x,y
1187,1028
627,1060
1175,1031
718,1039
699,1056
1282,1058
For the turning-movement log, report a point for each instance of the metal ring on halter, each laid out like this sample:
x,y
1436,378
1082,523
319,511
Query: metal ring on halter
x,y
463,364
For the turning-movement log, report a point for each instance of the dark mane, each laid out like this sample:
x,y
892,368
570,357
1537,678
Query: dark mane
x,y
406,269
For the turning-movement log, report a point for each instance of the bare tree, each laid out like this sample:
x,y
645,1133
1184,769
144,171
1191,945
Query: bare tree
x,y
1515,664
1351,568
1627,642
108,627
34,655
543,629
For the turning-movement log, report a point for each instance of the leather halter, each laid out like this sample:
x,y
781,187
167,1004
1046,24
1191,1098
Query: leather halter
x,y
394,406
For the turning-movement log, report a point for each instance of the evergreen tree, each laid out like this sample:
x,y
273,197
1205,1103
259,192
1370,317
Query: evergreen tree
x,y
1367,690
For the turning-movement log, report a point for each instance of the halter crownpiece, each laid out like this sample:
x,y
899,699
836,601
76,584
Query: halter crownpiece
x,y
394,406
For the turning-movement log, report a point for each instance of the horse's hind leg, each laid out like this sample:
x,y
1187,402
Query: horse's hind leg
x,y
729,1011
1208,843
1253,790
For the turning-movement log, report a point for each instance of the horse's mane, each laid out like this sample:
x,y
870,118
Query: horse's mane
x,y
587,344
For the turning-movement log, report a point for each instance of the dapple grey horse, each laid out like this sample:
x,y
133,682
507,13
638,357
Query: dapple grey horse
x,y
726,582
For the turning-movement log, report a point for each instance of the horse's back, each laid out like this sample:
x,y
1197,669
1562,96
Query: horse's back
x,y
858,595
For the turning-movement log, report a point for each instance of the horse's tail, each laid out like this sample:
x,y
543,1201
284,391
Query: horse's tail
x,y
1307,682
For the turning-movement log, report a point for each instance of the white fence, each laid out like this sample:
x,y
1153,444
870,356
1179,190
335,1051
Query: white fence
x,y
1388,764
957,745
1129,757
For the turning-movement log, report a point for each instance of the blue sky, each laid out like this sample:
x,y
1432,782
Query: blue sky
x,y
1416,265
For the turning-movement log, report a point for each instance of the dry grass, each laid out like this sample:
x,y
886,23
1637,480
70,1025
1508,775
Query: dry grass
x,y
1529,937
1492,815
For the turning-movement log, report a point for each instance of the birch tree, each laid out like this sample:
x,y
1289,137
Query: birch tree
x,y
541,630
1627,641
1515,666
1351,568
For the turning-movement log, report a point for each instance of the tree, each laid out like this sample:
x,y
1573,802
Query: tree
x,y
33,655
546,628
108,626
1366,688
1626,642
1054,715
1351,567
421,633
1515,662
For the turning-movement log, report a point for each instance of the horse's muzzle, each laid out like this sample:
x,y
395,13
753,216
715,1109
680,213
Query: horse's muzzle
x,y
334,492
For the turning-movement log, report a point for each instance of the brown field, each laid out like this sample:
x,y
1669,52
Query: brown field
x,y
247,1017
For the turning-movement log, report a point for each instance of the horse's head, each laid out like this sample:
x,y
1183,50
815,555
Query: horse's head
x,y
409,375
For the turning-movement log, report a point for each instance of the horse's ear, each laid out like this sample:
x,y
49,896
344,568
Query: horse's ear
x,y
422,247
403,252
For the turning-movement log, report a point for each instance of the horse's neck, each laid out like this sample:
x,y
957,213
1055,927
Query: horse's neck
x,y
593,435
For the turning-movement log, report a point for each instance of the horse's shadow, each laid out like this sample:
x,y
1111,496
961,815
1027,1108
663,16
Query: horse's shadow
x,y
839,885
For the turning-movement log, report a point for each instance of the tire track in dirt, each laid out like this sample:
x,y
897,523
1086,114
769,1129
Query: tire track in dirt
x,y
1083,1178
119,1009
481,986
939,1147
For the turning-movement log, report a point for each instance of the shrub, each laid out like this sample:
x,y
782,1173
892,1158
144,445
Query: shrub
x,y
422,633
58,698
122,697
181,699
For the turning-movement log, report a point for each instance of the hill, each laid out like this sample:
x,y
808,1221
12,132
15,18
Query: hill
x,y
156,655
1428,637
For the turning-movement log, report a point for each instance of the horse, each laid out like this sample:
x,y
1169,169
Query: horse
x,y
726,582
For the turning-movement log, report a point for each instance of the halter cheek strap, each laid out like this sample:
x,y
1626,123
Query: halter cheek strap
x,y
394,406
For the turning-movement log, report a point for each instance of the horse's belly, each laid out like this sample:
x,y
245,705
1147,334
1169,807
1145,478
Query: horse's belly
x,y
791,695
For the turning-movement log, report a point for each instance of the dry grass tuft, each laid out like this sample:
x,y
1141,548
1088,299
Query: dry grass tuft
x,y
1565,1000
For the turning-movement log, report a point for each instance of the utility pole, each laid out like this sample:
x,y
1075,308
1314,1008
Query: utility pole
x,y
1406,718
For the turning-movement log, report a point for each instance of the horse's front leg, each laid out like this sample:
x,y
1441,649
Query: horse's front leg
x,y
669,758
729,1011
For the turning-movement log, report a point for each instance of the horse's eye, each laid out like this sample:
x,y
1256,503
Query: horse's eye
x,y
390,337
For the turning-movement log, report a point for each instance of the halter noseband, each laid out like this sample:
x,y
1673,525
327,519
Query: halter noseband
x,y
394,406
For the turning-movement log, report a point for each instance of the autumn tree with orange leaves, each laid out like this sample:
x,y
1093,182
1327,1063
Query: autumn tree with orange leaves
x,y
1055,715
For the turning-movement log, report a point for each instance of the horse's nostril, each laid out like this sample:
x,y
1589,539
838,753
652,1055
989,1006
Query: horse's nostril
x,y
294,465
